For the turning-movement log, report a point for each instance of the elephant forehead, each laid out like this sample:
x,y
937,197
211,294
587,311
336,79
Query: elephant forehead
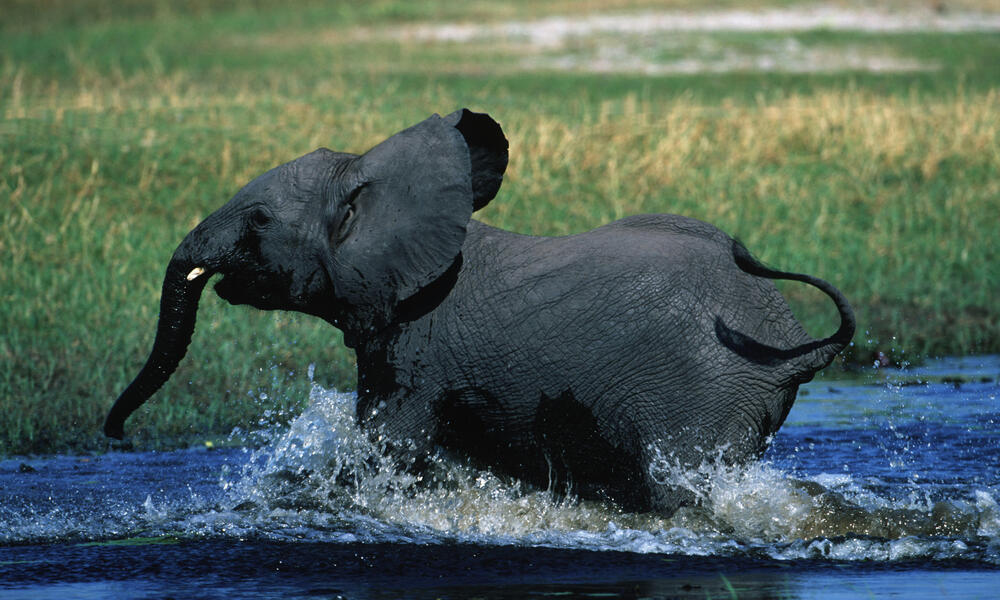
x,y
270,188
320,164
285,187
301,179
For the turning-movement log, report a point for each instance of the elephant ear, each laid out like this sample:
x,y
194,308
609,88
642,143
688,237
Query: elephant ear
x,y
487,153
409,200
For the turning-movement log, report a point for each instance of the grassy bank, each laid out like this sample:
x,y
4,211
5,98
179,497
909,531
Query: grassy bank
x,y
121,130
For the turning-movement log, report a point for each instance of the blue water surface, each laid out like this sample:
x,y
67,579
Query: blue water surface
x,y
880,485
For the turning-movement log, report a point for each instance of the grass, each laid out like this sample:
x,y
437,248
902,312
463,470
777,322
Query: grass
x,y
124,124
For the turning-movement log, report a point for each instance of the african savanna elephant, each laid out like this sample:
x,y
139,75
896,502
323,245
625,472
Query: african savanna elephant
x,y
580,360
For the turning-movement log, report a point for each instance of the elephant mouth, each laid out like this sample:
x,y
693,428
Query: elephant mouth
x,y
227,289
237,290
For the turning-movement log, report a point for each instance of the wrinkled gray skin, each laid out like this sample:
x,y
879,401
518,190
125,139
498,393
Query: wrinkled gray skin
x,y
578,362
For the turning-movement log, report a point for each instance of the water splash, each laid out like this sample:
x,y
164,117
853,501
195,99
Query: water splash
x,y
323,470
325,463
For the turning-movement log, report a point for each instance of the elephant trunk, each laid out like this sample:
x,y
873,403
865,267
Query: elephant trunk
x,y
182,286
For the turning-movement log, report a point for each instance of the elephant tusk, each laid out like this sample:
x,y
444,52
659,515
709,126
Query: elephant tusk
x,y
195,273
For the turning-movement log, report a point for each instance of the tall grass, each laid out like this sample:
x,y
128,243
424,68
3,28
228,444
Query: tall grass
x,y
119,136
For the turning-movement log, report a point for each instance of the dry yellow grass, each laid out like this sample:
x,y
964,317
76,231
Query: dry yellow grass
x,y
628,152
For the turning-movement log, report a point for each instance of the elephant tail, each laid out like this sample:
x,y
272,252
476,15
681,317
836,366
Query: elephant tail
x,y
806,358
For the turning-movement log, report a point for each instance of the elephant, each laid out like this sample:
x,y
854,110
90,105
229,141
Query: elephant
x,y
585,363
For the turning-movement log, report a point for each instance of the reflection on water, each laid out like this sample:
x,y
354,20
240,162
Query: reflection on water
x,y
894,467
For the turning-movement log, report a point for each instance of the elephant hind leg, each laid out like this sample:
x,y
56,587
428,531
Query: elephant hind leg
x,y
582,460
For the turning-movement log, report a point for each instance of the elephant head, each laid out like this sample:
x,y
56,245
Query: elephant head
x,y
340,236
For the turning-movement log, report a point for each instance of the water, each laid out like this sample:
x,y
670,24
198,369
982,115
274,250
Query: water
x,y
885,485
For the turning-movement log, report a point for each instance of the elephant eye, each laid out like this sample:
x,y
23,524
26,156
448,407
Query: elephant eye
x,y
350,211
345,223
259,218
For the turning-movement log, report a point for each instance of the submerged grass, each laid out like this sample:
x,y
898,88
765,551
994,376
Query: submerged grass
x,y
121,132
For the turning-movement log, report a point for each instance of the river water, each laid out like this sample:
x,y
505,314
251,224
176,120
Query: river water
x,y
882,485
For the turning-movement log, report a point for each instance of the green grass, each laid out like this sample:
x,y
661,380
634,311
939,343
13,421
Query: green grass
x,y
124,124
